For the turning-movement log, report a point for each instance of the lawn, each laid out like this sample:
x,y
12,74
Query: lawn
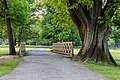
x,y
29,47
4,49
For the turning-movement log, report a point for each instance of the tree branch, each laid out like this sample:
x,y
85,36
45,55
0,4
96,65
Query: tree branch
x,y
110,8
81,15
80,12
77,23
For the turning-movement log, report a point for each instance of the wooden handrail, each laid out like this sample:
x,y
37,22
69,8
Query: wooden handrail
x,y
65,48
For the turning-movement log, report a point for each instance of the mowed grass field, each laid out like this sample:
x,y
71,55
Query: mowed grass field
x,y
7,65
4,49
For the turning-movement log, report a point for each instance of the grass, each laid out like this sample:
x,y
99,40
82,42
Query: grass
x,y
108,71
4,49
6,67
49,48
29,47
111,72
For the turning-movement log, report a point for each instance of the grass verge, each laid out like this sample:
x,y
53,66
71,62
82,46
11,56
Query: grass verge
x,y
108,71
111,72
7,66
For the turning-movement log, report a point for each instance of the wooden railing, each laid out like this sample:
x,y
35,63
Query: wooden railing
x,y
65,48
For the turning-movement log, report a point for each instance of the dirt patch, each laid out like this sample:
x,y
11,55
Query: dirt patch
x,y
7,58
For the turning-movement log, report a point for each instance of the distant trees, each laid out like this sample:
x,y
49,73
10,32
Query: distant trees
x,y
116,28
54,31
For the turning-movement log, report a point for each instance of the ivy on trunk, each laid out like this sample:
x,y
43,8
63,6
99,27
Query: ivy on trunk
x,y
94,30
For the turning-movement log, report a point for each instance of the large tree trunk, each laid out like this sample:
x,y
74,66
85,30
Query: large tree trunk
x,y
93,34
95,47
9,29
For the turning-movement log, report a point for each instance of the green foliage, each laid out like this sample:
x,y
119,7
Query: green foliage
x,y
20,12
3,34
116,28
45,20
54,27
30,1
60,12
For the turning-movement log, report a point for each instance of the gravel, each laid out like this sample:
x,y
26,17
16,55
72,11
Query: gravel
x,y
43,65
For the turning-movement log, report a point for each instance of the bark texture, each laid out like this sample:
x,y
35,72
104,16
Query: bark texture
x,y
93,33
9,29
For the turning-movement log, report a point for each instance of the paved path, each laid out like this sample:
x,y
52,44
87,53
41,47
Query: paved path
x,y
43,65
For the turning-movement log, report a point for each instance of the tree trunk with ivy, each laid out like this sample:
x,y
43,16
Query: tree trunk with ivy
x,y
9,29
93,29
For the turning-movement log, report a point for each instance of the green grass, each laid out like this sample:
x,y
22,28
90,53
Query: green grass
x,y
6,67
111,72
29,47
49,48
4,46
4,49
3,52
76,50
108,71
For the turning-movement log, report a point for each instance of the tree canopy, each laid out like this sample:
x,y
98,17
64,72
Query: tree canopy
x,y
93,19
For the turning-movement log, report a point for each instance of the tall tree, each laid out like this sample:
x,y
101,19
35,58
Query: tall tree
x,y
52,31
92,19
9,29
19,14
20,18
